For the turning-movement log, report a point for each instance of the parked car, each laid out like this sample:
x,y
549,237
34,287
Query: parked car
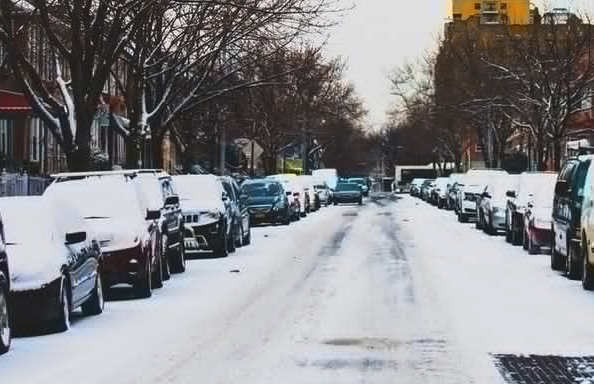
x,y
159,190
324,192
517,202
566,252
348,193
586,198
415,187
56,269
240,217
267,202
466,201
129,236
5,310
300,196
438,194
426,189
455,182
309,186
207,220
538,216
493,203
362,183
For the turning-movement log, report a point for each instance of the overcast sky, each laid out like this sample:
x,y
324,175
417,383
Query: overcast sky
x,y
379,35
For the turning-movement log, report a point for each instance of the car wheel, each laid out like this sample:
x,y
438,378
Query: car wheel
x,y
573,268
158,274
532,248
508,236
478,224
588,273
360,202
5,331
178,263
247,240
557,261
231,239
525,240
95,304
239,242
221,249
62,322
143,287
166,256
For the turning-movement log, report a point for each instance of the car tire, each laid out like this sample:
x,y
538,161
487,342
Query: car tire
x,y
178,262
557,261
221,248
157,279
588,271
532,248
360,202
573,269
508,233
239,241
479,224
525,240
166,256
62,321
247,240
231,240
143,288
5,328
95,304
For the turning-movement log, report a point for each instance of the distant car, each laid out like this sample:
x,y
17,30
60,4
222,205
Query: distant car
x,y
128,234
415,187
57,269
455,182
5,310
426,188
567,253
466,201
267,202
301,197
324,192
362,184
207,219
348,193
538,217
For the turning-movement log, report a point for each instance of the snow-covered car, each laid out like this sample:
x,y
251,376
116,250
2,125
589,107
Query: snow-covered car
x,y
468,194
491,212
415,187
240,217
129,236
207,220
538,216
54,269
323,191
290,183
158,187
438,195
426,187
5,327
267,202
517,202
308,184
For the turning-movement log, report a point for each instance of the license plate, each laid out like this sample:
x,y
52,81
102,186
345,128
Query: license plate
x,y
260,215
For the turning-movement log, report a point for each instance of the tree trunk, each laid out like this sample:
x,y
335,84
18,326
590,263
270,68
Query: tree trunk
x,y
557,154
80,159
157,149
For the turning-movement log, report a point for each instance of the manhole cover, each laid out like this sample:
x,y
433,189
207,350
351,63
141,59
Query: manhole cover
x,y
545,369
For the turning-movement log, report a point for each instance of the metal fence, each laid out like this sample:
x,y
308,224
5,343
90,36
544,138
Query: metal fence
x,y
14,184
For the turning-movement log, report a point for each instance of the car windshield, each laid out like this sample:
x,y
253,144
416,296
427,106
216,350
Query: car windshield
x,y
151,192
101,198
260,189
343,187
197,187
17,216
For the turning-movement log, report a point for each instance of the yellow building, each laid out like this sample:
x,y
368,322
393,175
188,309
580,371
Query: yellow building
x,y
493,11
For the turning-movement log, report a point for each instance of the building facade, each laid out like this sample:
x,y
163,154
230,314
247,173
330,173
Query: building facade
x,y
493,11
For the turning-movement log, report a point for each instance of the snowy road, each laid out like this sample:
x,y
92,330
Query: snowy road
x,y
394,291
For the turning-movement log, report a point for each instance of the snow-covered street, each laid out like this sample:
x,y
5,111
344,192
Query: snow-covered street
x,y
393,291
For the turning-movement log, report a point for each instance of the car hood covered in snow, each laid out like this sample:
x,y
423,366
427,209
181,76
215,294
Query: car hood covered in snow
x,y
34,264
197,206
116,234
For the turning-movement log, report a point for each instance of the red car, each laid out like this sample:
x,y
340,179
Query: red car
x,y
538,218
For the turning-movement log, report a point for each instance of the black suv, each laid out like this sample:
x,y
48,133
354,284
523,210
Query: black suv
x,y
567,210
5,331
171,222
240,217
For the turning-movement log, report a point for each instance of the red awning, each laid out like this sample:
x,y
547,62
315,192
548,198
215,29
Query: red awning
x,y
13,102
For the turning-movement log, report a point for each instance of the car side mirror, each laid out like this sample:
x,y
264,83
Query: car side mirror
x,y
511,194
75,237
172,200
153,214
561,188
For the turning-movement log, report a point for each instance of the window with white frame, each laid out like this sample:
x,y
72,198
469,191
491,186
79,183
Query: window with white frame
x,y
36,139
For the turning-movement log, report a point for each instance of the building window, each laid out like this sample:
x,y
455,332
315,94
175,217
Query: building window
x,y
503,6
6,144
457,16
477,6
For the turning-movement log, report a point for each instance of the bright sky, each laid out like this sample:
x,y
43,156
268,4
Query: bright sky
x,y
379,35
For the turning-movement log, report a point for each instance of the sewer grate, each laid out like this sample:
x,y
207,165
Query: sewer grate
x,y
533,369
